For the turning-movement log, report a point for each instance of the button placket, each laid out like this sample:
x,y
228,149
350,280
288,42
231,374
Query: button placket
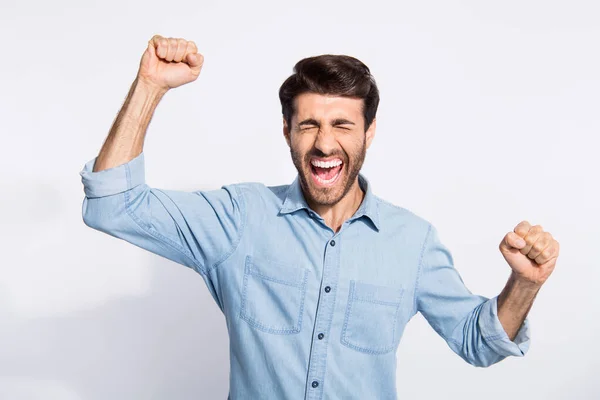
x,y
323,320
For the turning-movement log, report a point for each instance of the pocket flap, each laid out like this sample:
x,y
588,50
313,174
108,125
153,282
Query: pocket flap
x,y
275,271
379,294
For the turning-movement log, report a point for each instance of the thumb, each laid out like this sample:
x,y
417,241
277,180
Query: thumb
x,y
195,61
512,241
149,57
151,49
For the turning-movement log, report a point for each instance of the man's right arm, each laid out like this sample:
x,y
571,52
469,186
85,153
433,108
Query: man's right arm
x,y
167,63
196,229
125,140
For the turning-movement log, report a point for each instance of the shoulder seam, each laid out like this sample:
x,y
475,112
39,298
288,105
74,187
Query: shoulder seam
x,y
383,201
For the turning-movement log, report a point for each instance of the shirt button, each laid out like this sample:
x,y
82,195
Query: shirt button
x,y
332,243
315,384
320,336
327,289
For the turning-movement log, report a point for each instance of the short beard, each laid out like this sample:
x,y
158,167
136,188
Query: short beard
x,y
326,197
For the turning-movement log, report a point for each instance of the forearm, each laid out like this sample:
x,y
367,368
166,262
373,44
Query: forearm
x,y
125,140
514,303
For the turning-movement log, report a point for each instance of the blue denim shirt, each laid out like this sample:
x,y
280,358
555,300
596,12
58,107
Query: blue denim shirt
x,y
310,313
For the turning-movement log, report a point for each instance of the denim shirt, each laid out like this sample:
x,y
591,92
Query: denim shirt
x,y
311,314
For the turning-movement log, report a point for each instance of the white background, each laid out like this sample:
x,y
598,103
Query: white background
x,y
489,115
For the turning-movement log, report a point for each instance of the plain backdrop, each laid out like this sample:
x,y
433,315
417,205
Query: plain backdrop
x,y
489,115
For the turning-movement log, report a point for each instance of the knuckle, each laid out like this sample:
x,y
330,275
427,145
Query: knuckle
x,y
537,246
524,224
521,227
546,254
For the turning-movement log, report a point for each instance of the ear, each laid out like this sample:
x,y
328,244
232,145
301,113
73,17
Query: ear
x,y
370,133
286,132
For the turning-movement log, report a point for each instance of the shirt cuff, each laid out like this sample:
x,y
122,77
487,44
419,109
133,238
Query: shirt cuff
x,y
112,180
496,337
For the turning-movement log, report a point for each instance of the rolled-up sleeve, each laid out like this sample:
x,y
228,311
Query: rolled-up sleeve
x,y
112,180
495,335
197,229
467,322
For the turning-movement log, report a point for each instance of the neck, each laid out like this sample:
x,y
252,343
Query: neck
x,y
337,214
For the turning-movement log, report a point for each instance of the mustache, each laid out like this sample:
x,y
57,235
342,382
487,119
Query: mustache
x,y
320,154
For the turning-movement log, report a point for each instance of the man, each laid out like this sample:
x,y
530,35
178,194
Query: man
x,y
316,279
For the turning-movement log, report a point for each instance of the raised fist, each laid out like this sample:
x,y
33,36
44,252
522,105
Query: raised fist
x,y
170,62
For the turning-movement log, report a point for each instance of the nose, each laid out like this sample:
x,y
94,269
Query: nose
x,y
325,141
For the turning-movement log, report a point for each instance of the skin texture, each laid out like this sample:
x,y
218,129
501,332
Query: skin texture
x,y
168,63
165,64
328,127
532,262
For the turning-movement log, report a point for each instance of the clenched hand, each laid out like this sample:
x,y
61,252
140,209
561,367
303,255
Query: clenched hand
x,y
530,252
170,62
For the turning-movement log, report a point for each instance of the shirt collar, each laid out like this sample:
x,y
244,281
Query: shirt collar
x,y
369,208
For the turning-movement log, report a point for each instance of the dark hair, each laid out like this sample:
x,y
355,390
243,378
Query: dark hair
x,y
329,74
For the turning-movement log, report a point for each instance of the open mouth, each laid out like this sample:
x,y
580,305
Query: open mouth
x,y
326,172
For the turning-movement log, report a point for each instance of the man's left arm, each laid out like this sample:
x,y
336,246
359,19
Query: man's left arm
x,y
531,253
482,330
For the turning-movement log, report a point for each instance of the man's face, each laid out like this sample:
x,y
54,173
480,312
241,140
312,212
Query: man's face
x,y
328,144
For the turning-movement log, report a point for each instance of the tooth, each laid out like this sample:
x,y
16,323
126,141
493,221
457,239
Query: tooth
x,y
326,164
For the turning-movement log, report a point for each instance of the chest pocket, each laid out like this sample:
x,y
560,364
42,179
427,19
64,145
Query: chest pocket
x,y
371,320
273,295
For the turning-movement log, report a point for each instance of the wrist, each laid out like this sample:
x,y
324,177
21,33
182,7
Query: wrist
x,y
523,284
149,88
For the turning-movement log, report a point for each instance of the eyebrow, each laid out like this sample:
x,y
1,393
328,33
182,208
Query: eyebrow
x,y
337,121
